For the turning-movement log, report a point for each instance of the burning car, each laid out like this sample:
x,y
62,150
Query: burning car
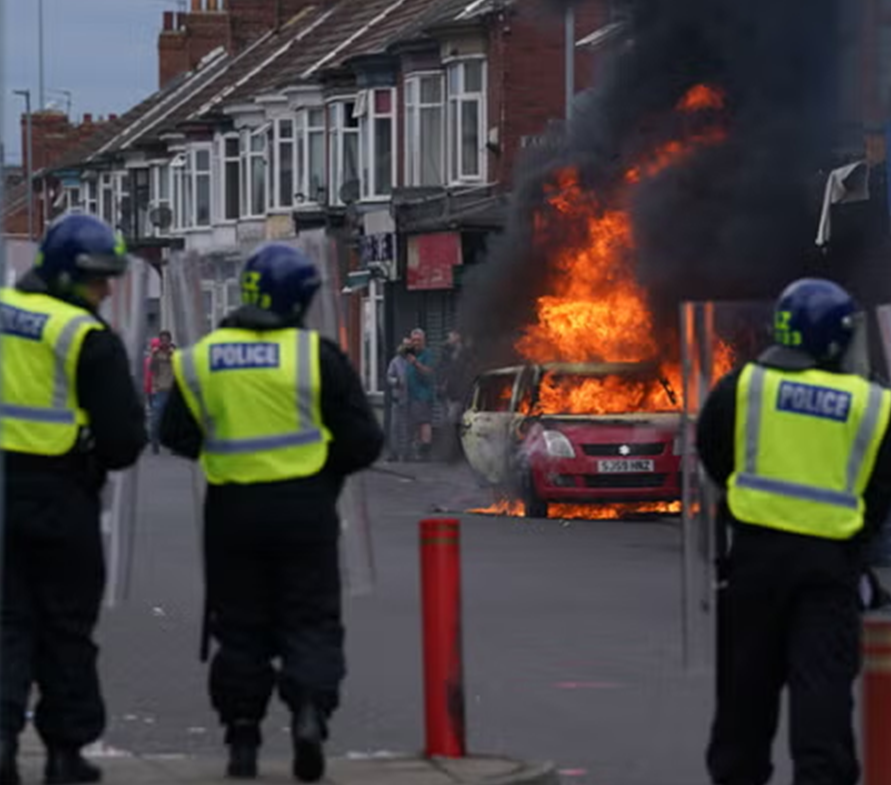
x,y
570,433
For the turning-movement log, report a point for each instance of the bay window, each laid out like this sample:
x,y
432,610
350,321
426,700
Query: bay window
x,y
424,130
106,199
231,169
201,174
377,131
310,163
160,193
179,178
253,173
91,188
466,121
283,169
122,200
343,147
191,185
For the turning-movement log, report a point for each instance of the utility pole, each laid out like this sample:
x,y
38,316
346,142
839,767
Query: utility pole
x,y
29,159
41,92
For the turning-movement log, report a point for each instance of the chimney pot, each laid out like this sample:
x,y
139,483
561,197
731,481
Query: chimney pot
x,y
112,117
213,5
168,21
196,6
88,119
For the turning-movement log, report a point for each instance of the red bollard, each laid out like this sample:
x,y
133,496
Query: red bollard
x,y
443,658
876,699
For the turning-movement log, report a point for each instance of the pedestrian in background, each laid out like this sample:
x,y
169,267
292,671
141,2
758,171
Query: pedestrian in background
x,y
397,383
420,394
161,368
278,418
452,386
71,413
803,454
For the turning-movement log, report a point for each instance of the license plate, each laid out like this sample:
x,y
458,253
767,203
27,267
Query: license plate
x,y
625,466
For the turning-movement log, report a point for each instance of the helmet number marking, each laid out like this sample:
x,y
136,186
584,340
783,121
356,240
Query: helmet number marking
x,y
785,335
250,291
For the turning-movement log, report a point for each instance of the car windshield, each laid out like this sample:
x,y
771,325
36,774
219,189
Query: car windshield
x,y
604,393
495,392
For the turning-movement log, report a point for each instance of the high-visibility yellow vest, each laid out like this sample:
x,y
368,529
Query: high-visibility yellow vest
x,y
805,447
40,343
257,398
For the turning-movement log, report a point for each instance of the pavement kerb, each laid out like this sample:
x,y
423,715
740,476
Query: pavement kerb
x,y
120,768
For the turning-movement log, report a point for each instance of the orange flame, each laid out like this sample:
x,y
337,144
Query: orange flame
x,y
586,512
595,309
701,97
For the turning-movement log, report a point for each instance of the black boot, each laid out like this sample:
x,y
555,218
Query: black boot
x,y
9,768
309,733
66,765
243,739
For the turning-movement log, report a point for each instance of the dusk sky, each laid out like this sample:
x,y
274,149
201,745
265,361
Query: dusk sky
x,y
103,51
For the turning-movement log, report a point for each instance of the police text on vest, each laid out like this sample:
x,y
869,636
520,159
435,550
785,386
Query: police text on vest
x,y
23,324
234,356
814,401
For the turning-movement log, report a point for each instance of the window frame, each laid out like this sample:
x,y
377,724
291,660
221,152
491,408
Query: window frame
x,y
304,133
250,158
414,107
106,198
285,150
456,100
369,116
225,161
161,173
338,133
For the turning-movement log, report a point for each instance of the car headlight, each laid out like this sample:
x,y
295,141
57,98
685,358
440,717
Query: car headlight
x,y
558,445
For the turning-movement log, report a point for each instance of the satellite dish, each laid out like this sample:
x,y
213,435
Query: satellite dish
x,y
350,191
161,217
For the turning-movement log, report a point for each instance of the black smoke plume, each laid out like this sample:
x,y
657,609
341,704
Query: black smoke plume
x,y
736,220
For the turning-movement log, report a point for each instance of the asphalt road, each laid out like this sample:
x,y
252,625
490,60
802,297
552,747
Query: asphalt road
x,y
572,639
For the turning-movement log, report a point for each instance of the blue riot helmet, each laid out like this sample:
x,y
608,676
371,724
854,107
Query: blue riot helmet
x,y
280,279
77,248
817,318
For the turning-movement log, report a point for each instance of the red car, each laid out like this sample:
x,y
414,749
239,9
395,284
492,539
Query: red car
x,y
515,436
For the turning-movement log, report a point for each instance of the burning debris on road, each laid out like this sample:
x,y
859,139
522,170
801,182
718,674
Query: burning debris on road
x,y
686,175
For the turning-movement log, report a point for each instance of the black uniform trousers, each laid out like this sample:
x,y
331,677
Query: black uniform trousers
x,y
788,615
54,578
274,593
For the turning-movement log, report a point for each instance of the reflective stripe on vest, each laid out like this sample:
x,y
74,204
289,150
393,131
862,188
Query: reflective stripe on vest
x,y
45,361
258,458
859,460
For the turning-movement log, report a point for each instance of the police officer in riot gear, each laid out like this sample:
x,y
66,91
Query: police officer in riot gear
x,y
70,412
802,451
278,418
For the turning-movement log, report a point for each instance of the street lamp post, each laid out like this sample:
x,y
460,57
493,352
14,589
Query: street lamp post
x,y
29,159
41,93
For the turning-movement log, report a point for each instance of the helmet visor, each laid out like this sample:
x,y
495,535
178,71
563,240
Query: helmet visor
x,y
109,265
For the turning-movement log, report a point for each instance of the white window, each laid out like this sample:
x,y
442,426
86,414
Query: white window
x,y
467,121
284,164
377,128
72,197
310,163
123,204
425,130
106,198
231,180
91,205
201,175
253,173
180,176
160,197
343,149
